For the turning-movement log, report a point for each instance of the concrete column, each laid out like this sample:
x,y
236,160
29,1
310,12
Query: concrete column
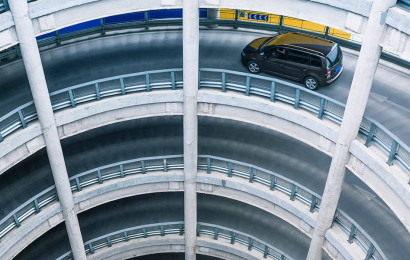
x,y
38,85
213,14
190,65
355,107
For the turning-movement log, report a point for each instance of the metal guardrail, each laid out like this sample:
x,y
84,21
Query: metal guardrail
x,y
269,87
208,163
177,227
145,20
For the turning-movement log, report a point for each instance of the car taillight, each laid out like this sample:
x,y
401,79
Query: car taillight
x,y
328,75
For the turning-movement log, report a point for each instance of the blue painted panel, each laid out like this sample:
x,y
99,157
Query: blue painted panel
x,y
123,18
80,26
203,13
164,14
46,35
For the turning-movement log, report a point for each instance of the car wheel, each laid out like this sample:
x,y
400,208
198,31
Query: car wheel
x,y
311,83
253,67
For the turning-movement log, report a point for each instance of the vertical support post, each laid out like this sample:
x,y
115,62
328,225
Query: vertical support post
x,y
235,23
102,26
36,206
313,203
392,153
251,175
370,251
122,171
327,31
173,80
272,91
280,23
355,106
353,229
321,108
369,138
190,24
165,165
72,101
42,102
208,165
292,192
147,82
146,18
272,182
297,99
229,169
23,122
97,91
223,82
122,86
248,85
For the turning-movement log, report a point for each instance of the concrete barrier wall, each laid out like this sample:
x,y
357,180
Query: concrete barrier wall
x,y
369,164
275,202
50,15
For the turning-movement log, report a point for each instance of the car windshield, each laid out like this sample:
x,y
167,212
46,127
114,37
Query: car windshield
x,y
333,56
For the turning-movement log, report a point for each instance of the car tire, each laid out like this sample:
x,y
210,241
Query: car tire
x,y
253,67
311,83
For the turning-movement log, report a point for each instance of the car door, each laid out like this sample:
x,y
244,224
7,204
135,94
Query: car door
x,y
295,65
274,61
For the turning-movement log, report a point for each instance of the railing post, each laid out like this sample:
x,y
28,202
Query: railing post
x,y
72,101
266,252
165,165
109,243
162,231
313,203
251,175
370,251
293,191
233,237
223,82
143,167
97,91
146,18
122,171
352,233
102,26
122,86
250,243
321,108
280,23
1,137
229,169
144,231
392,153
248,85
23,122
208,165
78,184
16,220
36,206
126,236
272,91
372,131
173,80
90,246
235,23
147,82
58,39
216,233
100,181
327,31
272,182
297,99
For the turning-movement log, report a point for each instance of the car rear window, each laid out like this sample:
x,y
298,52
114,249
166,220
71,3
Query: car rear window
x,y
333,57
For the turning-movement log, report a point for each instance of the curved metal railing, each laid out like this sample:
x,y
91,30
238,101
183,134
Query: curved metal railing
x,y
268,87
208,163
177,227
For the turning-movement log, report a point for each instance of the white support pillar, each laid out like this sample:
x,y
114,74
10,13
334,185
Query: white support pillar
x,y
190,65
355,107
38,85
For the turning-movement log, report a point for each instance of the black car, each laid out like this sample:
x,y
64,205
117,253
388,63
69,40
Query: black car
x,y
305,58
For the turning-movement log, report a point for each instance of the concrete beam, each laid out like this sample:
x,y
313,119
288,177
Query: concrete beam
x,y
39,90
190,39
355,106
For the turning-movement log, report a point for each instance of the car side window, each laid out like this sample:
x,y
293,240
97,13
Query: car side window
x,y
297,56
315,61
278,53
